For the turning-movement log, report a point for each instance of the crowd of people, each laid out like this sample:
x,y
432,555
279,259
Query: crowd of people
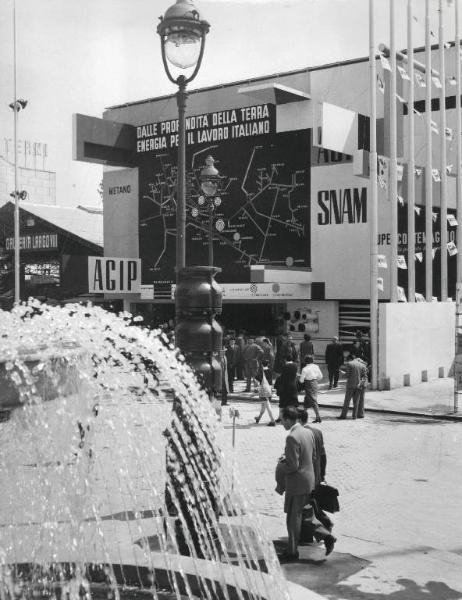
x,y
292,370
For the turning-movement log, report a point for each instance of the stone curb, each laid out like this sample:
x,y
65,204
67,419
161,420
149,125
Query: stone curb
x,y
445,417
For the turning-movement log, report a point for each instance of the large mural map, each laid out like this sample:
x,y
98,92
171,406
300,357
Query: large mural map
x,y
261,212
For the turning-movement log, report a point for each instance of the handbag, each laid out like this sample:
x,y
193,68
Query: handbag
x,y
327,497
265,388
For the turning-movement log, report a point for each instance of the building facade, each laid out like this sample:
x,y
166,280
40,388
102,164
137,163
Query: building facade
x,y
291,228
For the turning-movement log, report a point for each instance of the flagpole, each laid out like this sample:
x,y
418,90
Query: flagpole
x,y
428,161
393,191
374,293
411,164
443,175
458,144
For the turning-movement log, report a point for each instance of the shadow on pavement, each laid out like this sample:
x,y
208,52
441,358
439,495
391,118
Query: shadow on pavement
x,y
434,590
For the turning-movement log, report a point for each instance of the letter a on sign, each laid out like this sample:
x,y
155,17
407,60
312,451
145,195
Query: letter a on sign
x,y
114,274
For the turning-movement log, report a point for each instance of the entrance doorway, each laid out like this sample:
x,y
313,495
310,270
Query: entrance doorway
x,y
255,319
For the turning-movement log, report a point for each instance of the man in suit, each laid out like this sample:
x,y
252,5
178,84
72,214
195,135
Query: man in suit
x,y
334,360
356,373
297,467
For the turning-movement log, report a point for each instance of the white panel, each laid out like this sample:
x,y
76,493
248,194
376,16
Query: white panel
x,y
294,116
340,231
120,201
114,275
339,128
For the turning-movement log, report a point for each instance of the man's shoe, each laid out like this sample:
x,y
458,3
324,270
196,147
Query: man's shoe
x,y
278,421
329,542
330,387
340,417
288,557
360,416
257,420
272,424
317,421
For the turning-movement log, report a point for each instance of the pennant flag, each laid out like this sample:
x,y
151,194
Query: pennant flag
x,y
399,172
417,210
449,133
447,44
436,82
401,294
401,262
420,80
434,128
419,256
400,99
403,73
382,171
452,248
380,84
418,171
419,114
434,252
380,283
385,63
452,80
436,175
382,261
434,216
449,169
452,220
419,297
400,200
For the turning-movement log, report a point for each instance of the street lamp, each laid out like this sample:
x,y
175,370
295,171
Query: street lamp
x,y
182,37
210,182
17,105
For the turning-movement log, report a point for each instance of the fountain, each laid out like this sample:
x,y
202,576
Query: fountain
x,y
112,478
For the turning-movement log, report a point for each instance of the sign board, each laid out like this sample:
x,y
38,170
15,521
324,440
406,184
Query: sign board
x,y
114,275
147,292
36,241
262,215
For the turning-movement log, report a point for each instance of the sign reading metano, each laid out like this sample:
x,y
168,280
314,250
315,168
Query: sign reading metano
x,y
37,241
212,127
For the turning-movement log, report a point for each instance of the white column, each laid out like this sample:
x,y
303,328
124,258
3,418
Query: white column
x,y
373,196
428,161
411,163
393,187
443,174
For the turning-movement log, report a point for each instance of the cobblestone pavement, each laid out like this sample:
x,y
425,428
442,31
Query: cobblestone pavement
x,y
399,529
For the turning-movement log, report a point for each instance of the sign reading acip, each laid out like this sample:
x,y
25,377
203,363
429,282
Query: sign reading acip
x,y
114,275
212,127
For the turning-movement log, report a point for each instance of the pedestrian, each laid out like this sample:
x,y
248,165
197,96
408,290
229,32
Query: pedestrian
x,y
359,345
334,360
231,359
299,481
265,377
286,387
309,377
240,343
306,348
252,354
288,349
356,374
268,352
224,378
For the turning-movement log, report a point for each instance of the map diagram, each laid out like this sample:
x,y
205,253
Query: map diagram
x,y
260,214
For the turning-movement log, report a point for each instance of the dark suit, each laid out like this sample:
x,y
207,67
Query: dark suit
x,y
299,480
334,360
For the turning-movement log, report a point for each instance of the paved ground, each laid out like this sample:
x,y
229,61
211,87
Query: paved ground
x,y
434,399
399,529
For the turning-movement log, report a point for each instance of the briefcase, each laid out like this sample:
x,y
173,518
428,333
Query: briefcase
x,y
327,497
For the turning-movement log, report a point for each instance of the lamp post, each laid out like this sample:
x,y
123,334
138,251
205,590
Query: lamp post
x,y
210,182
182,37
16,106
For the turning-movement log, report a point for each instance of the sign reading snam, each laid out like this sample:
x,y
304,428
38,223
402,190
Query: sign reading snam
x,y
114,275
347,205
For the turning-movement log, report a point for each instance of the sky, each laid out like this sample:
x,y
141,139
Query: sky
x,y
88,55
